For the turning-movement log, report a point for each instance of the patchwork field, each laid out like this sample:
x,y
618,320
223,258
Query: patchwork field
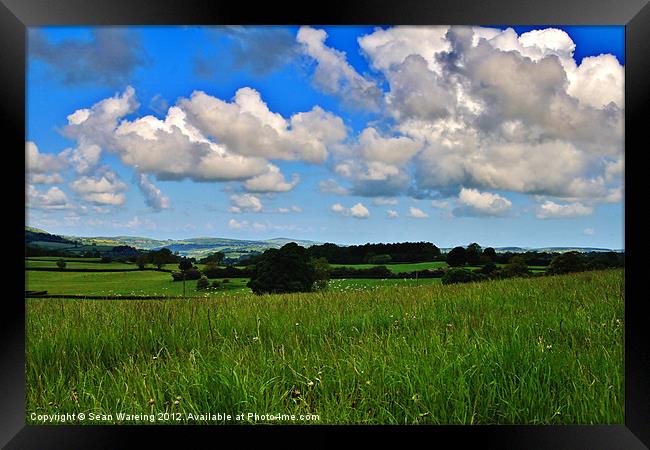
x,y
543,350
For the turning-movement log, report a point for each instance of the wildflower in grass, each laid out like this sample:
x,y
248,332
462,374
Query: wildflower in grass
x,y
151,401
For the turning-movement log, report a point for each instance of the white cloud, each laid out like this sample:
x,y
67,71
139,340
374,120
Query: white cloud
x,y
271,181
392,214
103,190
39,163
488,109
552,210
475,203
358,210
247,127
334,75
154,197
589,232
42,178
54,198
245,203
417,213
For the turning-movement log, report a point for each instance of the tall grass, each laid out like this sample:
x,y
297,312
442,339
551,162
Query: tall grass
x,y
526,351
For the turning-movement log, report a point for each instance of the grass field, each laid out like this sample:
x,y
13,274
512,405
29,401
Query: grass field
x,y
121,283
398,268
543,350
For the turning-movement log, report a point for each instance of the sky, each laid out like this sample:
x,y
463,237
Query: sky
x,y
505,136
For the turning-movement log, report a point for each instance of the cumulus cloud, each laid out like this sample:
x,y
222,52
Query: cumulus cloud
x,y
53,199
41,178
417,213
40,163
552,210
203,138
589,232
358,210
271,181
245,203
153,196
103,190
475,203
484,108
391,214
110,57
334,75
247,127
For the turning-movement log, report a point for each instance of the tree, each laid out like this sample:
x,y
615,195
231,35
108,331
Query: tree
x,y
322,269
516,267
457,257
61,264
141,261
566,263
490,254
473,254
214,258
184,265
287,269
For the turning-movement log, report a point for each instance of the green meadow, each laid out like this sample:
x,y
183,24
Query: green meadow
x,y
540,350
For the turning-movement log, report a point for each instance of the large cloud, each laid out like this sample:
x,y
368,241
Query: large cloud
x,y
481,108
204,138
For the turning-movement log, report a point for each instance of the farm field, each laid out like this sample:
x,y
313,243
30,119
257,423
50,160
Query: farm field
x,y
398,268
134,283
544,350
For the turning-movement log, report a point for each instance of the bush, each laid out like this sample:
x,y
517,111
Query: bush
x,y
61,264
216,285
461,276
225,280
488,269
202,284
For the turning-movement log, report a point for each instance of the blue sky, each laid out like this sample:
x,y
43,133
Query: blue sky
x,y
497,135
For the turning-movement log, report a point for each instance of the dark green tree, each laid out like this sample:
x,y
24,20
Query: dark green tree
x,y
141,261
185,265
287,269
457,257
490,254
473,254
517,267
567,263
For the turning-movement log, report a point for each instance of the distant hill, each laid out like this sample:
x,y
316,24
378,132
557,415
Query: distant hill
x,y
201,246
194,247
547,249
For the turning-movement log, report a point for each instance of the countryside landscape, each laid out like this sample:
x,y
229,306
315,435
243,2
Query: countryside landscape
x,y
324,225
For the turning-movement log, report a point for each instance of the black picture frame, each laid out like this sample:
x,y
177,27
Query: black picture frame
x,y
16,15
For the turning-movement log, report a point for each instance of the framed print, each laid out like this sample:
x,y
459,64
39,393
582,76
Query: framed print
x,y
407,217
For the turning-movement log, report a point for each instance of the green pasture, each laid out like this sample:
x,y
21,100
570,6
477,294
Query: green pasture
x,y
543,350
